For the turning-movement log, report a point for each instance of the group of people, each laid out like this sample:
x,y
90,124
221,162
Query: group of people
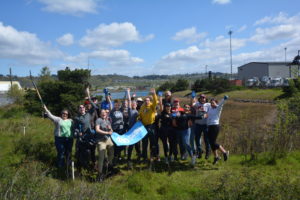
x,y
163,118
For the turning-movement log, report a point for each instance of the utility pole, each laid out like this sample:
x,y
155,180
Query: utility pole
x,y
10,75
230,33
285,54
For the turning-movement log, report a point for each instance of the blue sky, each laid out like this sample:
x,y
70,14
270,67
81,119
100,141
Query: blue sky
x,y
140,37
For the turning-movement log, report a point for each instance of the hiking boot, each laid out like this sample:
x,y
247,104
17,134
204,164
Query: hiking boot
x,y
226,155
216,160
199,155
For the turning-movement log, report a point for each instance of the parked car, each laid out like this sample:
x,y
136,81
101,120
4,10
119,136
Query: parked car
x,y
277,82
265,81
253,82
286,82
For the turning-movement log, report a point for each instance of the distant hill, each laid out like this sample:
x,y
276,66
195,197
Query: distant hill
x,y
138,82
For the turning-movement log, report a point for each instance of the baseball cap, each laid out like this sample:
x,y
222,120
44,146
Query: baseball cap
x,y
176,100
167,105
139,99
202,95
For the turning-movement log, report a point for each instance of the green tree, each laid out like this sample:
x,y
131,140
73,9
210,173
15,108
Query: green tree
x,y
180,85
67,92
16,94
166,86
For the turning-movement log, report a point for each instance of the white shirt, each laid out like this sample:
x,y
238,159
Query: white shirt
x,y
198,107
214,114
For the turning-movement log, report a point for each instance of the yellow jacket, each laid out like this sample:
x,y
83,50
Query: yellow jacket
x,y
147,113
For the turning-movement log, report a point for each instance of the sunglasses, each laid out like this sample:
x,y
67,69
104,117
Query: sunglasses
x,y
65,113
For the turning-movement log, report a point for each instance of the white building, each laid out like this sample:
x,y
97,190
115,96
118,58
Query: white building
x,y
270,69
5,85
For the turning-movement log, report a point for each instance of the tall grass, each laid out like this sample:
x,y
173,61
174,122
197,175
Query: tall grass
x,y
250,131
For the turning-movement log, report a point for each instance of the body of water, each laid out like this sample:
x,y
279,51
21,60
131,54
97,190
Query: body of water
x,y
4,100
120,95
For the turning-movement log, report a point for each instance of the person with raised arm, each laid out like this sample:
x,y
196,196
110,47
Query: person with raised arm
x,y
117,124
133,114
147,116
213,123
200,126
63,133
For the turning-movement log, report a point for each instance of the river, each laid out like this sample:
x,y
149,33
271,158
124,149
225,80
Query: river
x,y
120,95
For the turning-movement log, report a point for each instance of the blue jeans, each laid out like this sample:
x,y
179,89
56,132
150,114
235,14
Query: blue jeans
x,y
192,137
64,150
179,141
199,129
185,138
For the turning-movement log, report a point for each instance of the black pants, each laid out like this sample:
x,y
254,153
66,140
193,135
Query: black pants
x,y
213,131
167,135
118,149
137,149
153,142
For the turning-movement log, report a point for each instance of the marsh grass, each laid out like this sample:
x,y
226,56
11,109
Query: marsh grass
x,y
248,130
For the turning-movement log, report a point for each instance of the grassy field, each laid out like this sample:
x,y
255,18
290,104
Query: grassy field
x,y
27,164
247,94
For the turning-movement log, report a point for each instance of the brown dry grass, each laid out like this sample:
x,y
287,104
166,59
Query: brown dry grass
x,y
245,127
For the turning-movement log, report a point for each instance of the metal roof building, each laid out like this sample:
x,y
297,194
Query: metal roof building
x,y
5,85
270,69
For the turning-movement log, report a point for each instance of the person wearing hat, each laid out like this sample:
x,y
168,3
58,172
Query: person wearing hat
x,y
176,110
183,124
166,131
200,126
139,102
147,114
168,98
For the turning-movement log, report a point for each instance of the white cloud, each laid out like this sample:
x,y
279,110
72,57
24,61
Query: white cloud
x,y
242,28
112,57
221,43
221,1
25,47
190,35
71,7
281,18
281,27
282,31
112,35
266,35
66,40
